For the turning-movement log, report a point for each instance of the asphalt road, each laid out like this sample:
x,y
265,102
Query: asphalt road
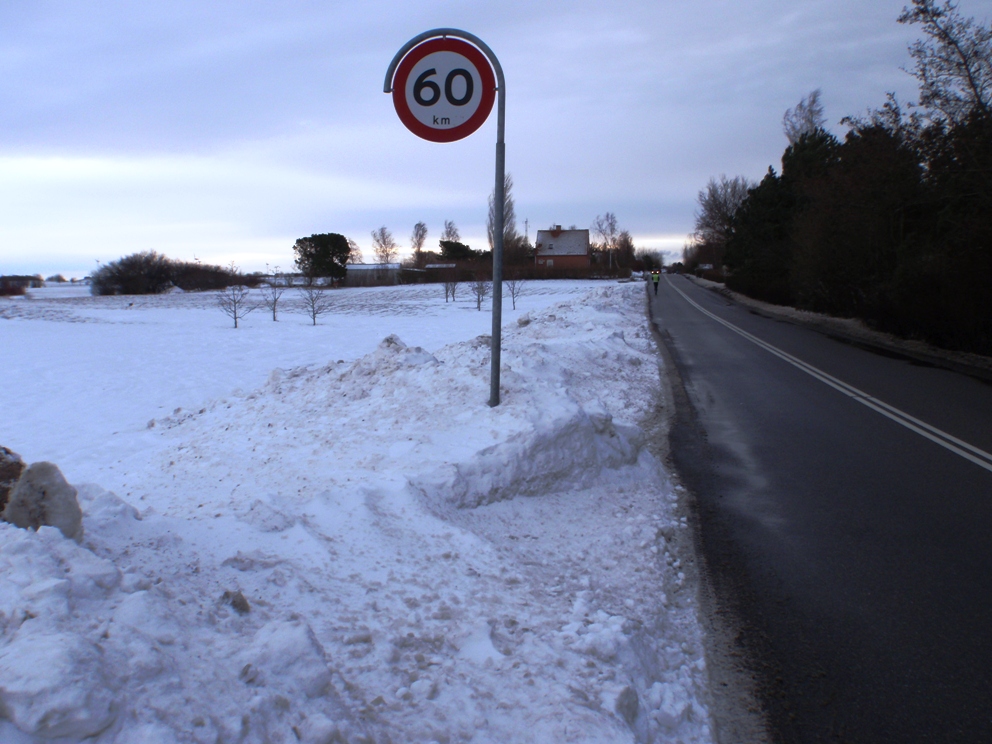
x,y
852,545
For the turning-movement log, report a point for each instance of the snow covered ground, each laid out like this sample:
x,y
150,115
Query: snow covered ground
x,y
323,534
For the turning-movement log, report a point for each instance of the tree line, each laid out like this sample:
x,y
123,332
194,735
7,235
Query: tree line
x,y
891,224
323,258
328,254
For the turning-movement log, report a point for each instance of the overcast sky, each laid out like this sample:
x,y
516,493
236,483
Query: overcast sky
x,y
226,130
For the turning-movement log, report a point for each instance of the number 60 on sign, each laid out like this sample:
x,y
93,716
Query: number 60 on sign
x,y
444,90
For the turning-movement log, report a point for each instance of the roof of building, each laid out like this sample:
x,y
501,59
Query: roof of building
x,y
371,267
558,242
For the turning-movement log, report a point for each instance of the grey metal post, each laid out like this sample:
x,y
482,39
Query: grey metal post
x,y
499,193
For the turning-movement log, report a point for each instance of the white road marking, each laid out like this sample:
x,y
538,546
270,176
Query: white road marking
x,y
967,451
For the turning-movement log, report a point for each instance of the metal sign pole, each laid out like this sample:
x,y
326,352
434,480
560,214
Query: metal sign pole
x,y
499,194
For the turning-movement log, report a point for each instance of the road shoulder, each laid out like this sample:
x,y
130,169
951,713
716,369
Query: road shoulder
x,y
735,706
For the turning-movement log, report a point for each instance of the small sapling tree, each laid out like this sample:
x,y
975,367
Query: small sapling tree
x,y
235,300
315,301
450,284
514,285
272,291
481,287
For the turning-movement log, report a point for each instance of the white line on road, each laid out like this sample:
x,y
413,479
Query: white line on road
x,y
967,451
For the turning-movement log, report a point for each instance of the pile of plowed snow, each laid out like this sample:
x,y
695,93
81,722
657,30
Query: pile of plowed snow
x,y
368,552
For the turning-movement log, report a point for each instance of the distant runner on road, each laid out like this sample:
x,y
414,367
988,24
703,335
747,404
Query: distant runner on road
x,y
655,277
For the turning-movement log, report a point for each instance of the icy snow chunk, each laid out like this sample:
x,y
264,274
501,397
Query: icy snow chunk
x,y
146,614
410,356
103,508
603,637
423,688
319,729
565,446
391,356
601,419
42,496
670,703
287,655
90,576
34,582
478,646
45,587
51,685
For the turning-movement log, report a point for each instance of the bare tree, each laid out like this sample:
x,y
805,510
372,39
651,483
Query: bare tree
x,y
605,226
481,288
273,290
354,253
805,118
450,284
384,246
450,231
509,216
417,239
235,300
717,204
954,62
315,301
514,285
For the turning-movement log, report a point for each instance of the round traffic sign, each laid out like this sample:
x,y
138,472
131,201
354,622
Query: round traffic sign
x,y
444,89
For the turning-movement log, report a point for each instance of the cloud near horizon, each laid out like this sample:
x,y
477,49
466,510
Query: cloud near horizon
x,y
226,131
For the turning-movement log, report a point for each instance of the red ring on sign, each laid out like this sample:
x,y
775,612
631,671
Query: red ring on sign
x,y
485,104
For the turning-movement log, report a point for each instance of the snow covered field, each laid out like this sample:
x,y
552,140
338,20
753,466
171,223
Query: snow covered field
x,y
324,534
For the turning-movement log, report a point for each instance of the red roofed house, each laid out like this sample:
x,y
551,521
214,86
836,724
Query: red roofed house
x,y
562,249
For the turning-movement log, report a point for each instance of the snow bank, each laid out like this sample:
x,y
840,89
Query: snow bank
x,y
368,552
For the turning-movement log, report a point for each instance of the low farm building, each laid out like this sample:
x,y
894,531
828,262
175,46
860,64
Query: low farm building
x,y
562,249
371,275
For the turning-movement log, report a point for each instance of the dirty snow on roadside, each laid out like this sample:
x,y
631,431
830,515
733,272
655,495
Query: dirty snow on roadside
x,y
363,550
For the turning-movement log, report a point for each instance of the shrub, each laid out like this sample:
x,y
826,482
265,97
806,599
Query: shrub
x,y
139,273
151,273
191,277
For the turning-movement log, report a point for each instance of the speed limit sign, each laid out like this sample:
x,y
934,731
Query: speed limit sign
x,y
444,89
444,83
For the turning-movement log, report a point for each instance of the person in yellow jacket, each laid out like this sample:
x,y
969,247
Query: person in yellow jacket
x,y
655,277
